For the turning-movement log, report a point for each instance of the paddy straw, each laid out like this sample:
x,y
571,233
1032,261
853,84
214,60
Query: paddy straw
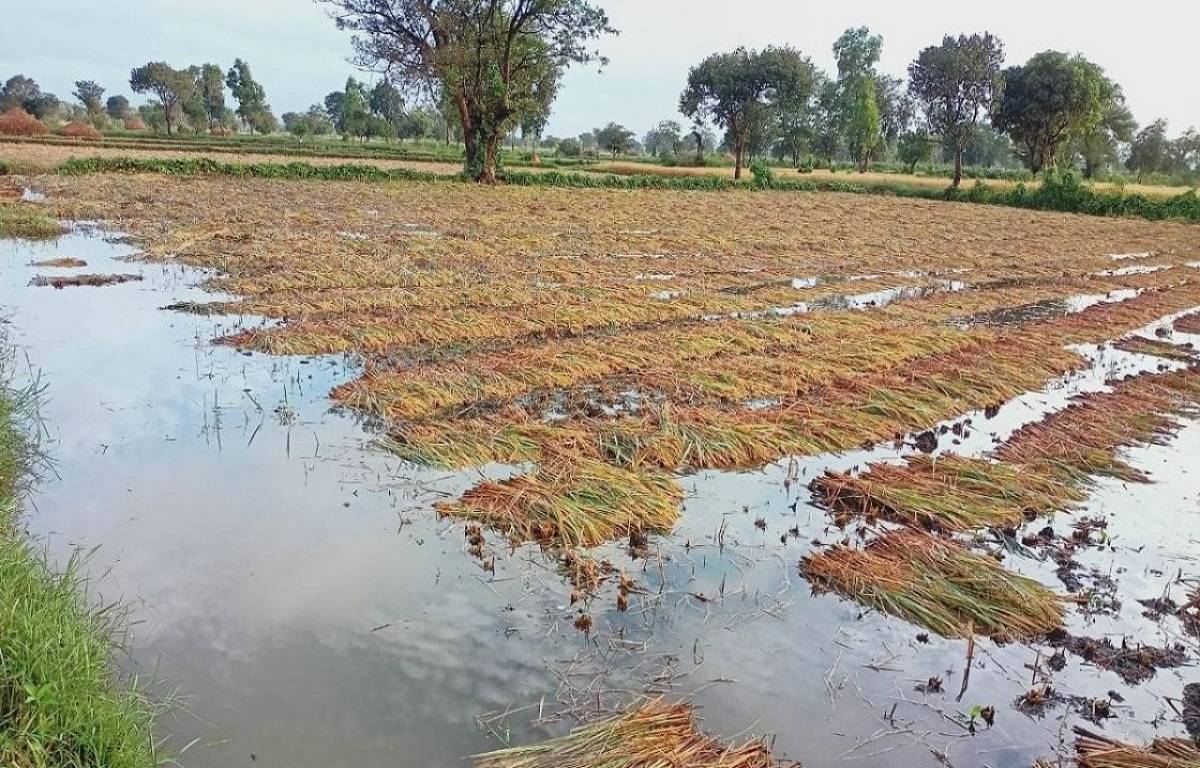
x,y
1158,348
939,585
1097,751
651,735
948,493
573,503
1044,467
1188,323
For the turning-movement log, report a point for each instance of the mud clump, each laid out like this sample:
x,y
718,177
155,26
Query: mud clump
x,y
94,281
1133,664
1191,710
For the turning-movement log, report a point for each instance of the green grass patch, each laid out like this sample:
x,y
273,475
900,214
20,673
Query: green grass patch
x,y
61,705
27,223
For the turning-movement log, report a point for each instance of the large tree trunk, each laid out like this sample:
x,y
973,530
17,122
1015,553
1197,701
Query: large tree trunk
x,y
487,172
958,155
167,117
739,151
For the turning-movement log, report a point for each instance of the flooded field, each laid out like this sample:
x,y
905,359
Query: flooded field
x,y
446,482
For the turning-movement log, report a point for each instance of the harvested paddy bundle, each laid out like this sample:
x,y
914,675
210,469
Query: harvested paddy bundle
x,y
570,502
652,735
939,585
950,493
1097,751
18,122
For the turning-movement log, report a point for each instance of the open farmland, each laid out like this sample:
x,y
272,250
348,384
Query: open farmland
x,y
631,419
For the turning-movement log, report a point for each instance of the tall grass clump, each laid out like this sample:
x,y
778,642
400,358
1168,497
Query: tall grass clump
x,y
652,735
61,705
939,585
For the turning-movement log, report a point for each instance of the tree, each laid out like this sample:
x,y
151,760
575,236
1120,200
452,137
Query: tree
x,y
170,86
1100,144
862,120
494,60
896,108
664,139
914,148
1047,100
388,103
857,52
826,134
210,87
570,148
251,97
1184,154
355,110
42,105
117,107
1150,151
737,91
794,108
614,138
956,83
17,90
91,95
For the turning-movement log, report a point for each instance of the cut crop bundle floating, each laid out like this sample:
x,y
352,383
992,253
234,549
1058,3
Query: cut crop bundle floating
x,y
937,584
652,735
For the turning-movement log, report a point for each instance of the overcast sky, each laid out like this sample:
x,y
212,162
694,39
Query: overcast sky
x,y
297,53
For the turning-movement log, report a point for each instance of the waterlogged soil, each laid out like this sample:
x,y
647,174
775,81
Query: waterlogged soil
x,y
295,587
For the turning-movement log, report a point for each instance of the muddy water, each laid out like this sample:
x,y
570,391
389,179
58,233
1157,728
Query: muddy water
x,y
293,585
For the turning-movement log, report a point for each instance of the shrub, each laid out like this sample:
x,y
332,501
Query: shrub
x,y
18,122
78,130
134,124
764,177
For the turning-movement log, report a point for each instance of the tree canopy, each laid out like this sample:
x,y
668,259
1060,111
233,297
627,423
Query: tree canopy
x,y
496,60
738,91
91,95
956,83
1049,99
170,86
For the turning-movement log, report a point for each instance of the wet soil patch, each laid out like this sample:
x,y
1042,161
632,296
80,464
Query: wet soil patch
x,y
93,281
1134,663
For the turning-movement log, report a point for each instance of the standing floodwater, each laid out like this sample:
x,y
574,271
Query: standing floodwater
x,y
296,588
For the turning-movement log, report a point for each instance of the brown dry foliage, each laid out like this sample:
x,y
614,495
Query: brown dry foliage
x,y
78,130
18,122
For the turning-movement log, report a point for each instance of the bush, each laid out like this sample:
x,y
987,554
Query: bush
x,y
77,130
134,124
18,122
764,177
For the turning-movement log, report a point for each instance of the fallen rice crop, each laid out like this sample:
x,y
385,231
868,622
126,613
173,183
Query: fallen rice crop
x,y
28,223
1188,324
574,503
1044,467
949,493
93,281
650,735
62,263
1157,348
1096,751
939,585
625,336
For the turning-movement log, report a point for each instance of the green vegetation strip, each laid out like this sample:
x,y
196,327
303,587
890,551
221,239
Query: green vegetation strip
x,y
59,703
1057,193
